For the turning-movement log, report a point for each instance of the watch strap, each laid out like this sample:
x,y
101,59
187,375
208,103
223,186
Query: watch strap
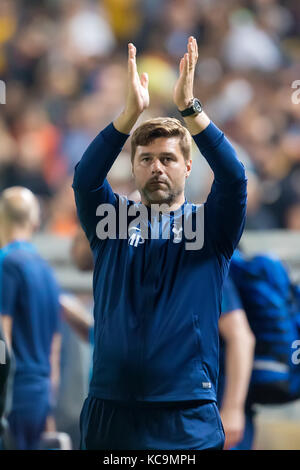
x,y
191,109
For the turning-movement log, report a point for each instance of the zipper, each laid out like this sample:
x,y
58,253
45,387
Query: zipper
x,y
148,308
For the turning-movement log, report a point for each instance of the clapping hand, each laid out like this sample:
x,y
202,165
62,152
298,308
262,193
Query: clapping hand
x,y
184,87
137,99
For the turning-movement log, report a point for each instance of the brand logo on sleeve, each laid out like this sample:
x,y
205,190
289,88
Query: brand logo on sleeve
x,y
206,384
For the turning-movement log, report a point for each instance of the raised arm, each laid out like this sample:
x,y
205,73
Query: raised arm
x,y
225,209
90,185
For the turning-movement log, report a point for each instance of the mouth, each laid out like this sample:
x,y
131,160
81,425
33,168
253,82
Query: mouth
x,y
157,183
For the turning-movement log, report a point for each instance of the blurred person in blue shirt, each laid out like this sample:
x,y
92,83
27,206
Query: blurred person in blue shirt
x,y
237,343
30,309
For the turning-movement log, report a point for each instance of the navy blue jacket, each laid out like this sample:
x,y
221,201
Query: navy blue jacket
x,y
157,304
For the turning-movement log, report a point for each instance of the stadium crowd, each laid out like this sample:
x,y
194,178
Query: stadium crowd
x,y
63,63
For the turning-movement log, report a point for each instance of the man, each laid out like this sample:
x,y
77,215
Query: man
x,y
157,303
236,360
29,305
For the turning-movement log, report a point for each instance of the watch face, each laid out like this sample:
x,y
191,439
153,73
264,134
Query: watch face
x,y
197,106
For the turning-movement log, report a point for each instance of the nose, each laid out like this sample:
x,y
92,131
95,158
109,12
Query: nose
x,y
156,167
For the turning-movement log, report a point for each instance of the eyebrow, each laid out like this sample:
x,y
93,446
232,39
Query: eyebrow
x,y
163,154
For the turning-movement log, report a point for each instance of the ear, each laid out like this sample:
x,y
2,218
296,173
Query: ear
x,y
188,168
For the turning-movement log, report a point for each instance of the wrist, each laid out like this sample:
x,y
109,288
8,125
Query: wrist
x,y
232,407
131,114
184,104
197,123
125,122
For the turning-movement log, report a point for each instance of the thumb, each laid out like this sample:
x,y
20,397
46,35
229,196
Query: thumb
x,y
144,80
181,65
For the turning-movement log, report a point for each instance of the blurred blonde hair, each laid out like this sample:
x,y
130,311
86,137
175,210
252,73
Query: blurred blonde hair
x,y
19,206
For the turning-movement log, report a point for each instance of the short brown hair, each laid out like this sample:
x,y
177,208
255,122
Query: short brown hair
x,y
161,127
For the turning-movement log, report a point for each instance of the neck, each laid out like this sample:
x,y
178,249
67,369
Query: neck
x,y
10,234
170,207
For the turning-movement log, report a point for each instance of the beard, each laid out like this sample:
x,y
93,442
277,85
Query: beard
x,y
160,195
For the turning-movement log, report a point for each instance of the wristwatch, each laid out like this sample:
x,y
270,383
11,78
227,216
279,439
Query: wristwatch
x,y
194,108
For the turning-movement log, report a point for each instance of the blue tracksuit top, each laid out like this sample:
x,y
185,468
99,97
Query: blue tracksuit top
x,y
29,293
157,304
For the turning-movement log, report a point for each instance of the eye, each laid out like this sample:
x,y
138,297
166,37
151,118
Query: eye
x,y
167,159
145,159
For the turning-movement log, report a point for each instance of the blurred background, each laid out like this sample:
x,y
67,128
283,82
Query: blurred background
x,y
64,66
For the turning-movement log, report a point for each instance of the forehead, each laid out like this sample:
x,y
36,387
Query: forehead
x,y
161,145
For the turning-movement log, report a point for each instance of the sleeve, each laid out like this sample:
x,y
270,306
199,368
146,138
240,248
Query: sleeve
x,y
9,289
90,185
225,208
230,297
91,336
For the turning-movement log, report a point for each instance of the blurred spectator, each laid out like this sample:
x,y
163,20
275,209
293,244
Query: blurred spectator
x,y
247,46
30,314
81,252
124,17
62,217
237,344
86,30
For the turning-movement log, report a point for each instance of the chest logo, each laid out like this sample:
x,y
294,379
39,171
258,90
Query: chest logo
x,y
135,237
177,234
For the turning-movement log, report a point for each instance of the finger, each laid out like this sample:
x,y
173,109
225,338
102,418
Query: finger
x,y
186,64
190,46
131,59
192,53
131,50
144,80
196,47
191,58
193,43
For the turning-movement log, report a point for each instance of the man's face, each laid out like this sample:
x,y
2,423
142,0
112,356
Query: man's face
x,y
160,171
